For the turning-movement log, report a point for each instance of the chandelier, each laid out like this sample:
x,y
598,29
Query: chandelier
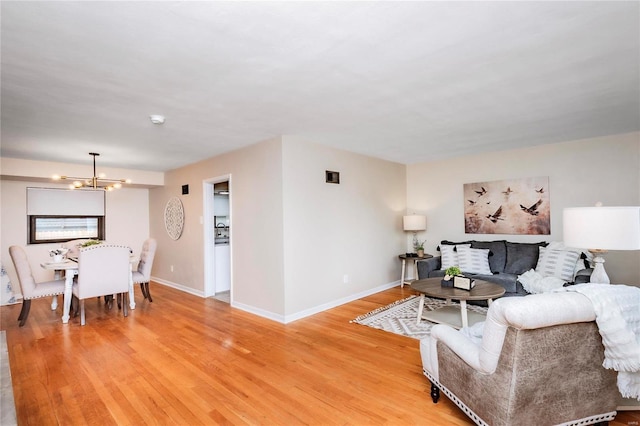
x,y
96,182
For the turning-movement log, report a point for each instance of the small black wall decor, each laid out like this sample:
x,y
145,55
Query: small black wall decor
x,y
185,189
513,206
332,177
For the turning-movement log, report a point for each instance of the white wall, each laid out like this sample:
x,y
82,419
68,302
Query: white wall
x,y
333,230
127,222
580,173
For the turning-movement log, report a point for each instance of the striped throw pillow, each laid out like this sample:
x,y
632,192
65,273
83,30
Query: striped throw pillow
x,y
474,261
557,263
450,255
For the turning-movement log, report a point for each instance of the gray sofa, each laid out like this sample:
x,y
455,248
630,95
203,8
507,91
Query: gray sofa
x,y
507,260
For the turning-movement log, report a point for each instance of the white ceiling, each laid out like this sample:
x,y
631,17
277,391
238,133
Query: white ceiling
x,y
403,81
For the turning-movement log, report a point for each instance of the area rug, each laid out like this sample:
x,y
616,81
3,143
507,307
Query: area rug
x,y
400,316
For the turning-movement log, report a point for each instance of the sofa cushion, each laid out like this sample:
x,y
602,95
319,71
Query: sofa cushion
x,y
497,253
450,255
475,261
508,281
521,257
557,263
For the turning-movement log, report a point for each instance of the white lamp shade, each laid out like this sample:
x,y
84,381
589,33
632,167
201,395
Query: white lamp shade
x,y
414,222
602,228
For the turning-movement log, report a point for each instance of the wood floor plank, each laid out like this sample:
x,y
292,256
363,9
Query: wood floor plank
x,y
187,360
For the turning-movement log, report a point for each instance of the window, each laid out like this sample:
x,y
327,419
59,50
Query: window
x,y
58,215
54,229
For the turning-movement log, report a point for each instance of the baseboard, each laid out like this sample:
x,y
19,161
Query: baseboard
x,y
178,287
628,404
285,319
338,302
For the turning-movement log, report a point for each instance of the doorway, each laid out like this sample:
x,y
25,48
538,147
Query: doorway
x,y
217,238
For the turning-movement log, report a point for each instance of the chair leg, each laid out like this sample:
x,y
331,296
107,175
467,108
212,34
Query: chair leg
x,y
24,312
125,302
148,292
82,318
109,301
142,289
75,305
119,298
435,393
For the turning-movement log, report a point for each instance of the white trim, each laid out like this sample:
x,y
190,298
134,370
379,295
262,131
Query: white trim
x,y
285,319
314,310
257,311
180,287
209,239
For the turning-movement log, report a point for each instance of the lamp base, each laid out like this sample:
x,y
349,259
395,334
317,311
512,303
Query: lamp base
x,y
599,275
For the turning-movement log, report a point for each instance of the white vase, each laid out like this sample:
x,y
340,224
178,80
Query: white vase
x,y
58,258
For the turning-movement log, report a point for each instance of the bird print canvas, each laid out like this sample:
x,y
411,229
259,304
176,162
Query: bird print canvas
x,y
513,206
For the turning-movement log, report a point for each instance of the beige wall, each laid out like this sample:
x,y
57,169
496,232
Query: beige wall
x,y
335,230
580,173
256,227
293,237
127,222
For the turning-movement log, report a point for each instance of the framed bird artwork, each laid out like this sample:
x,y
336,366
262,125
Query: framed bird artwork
x,y
512,206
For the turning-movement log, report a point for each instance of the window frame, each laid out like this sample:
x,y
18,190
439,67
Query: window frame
x,y
31,228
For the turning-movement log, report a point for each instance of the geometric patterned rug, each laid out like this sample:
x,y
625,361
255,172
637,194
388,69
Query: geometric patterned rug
x,y
400,316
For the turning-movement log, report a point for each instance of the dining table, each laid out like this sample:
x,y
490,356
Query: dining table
x,y
70,268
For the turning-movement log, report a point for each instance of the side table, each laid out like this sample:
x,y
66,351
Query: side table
x,y
415,259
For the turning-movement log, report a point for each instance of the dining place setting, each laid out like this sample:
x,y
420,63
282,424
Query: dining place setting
x,y
86,269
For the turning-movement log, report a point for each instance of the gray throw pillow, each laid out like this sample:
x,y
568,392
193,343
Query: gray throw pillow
x,y
522,256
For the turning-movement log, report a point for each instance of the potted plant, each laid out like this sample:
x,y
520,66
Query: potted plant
x,y
419,247
449,273
90,243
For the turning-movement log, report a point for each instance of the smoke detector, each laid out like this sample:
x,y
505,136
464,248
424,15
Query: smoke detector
x,y
157,119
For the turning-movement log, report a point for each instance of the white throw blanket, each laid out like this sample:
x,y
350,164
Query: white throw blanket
x,y
617,309
535,283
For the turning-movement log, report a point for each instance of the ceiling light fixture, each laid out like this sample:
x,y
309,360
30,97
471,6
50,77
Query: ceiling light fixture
x,y
157,119
96,182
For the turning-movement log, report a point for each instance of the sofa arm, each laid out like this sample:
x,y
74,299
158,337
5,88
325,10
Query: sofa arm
x,y
460,344
426,266
583,276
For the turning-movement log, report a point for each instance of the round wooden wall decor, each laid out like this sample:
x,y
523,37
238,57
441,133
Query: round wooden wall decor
x,y
174,217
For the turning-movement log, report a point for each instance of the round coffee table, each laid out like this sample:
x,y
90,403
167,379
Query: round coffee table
x,y
452,314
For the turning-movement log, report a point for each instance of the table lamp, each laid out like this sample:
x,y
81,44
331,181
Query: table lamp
x,y
414,223
599,229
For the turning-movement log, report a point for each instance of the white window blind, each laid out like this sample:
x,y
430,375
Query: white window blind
x,y
65,202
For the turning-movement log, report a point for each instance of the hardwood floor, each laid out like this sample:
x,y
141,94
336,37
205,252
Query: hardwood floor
x,y
186,360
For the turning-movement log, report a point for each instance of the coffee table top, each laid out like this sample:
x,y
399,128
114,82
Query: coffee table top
x,y
483,290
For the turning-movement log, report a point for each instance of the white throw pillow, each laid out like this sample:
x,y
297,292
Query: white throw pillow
x,y
557,263
474,261
450,256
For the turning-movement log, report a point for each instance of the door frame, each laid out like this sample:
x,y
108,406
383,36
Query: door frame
x,y
209,238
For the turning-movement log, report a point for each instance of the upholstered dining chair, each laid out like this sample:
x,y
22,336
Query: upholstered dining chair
x,y
74,246
31,289
143,275
103,270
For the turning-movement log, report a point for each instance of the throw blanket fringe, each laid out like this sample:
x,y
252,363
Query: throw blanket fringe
x,y
617,309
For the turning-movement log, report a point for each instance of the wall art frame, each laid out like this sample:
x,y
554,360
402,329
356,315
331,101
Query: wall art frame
x,y
511,206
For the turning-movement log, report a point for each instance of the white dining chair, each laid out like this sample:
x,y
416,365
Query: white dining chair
x,y
74,246
103,270
143,275
31,289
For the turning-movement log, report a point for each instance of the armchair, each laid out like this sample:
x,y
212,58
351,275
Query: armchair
x,y
539,362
